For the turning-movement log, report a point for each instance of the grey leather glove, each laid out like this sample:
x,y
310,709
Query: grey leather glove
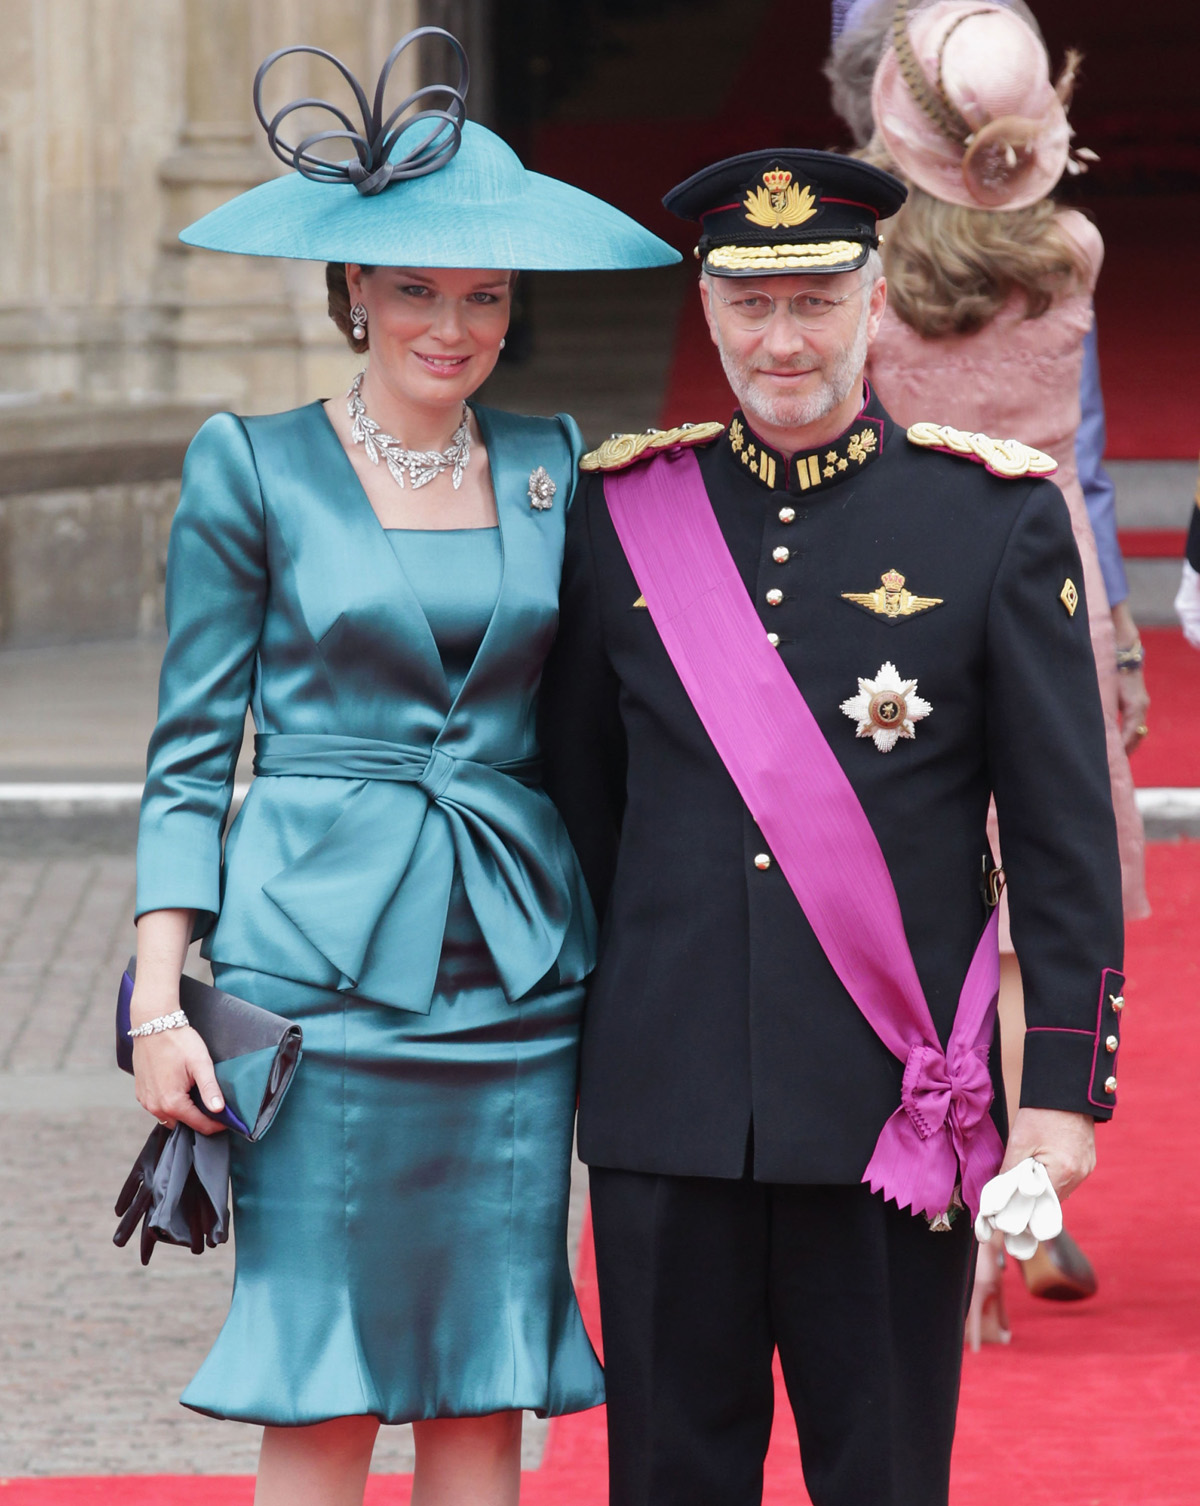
x,y
178,1190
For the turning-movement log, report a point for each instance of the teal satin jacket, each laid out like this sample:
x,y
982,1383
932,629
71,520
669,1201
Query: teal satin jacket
x,y
373,785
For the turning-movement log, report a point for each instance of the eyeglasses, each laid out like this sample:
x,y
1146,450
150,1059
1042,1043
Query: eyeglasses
x,y
755,310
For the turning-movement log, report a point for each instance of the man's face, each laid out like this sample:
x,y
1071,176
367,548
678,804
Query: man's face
x,y
788,373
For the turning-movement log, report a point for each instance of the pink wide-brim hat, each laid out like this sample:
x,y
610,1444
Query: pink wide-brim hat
x,y
1003,142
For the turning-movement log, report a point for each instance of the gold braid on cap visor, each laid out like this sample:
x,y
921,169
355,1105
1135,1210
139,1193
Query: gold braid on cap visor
x,y
781,258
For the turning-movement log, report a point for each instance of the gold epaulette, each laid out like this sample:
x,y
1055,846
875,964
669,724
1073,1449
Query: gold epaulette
x,y
1003,457
625,449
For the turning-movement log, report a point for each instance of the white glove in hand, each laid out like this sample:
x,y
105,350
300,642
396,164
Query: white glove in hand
x,y
1023,1206
1187,605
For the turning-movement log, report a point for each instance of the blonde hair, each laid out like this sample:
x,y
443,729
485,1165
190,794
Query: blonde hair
x,y
950,270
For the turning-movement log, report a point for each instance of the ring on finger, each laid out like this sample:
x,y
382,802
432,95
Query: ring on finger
x,y
1143,730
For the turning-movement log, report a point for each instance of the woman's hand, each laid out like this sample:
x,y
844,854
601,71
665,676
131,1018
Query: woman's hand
x,y
1133,700
1133,704
167,1065
164,1069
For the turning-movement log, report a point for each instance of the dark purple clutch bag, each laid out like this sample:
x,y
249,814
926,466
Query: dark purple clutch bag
x,y
255,1053
178,1189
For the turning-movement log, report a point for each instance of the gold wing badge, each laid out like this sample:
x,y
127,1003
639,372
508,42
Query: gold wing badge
x,y
891,599
779,202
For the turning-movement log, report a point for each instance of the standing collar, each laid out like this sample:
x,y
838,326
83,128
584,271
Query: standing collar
x,y
810,470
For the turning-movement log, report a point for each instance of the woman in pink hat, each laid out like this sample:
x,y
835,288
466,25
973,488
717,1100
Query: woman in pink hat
x,y
989,304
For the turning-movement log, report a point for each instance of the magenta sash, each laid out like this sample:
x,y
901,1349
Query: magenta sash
x,y
795,789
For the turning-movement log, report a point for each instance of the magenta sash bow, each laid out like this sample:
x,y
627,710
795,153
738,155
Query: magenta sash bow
x,y
795,789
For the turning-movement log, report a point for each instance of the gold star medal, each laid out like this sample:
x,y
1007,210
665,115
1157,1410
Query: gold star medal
x,y
886,708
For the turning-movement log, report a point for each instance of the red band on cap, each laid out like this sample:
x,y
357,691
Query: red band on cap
x,y
720,209
854,204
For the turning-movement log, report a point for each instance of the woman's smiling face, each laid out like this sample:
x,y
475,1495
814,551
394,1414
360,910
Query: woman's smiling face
x,y
435,333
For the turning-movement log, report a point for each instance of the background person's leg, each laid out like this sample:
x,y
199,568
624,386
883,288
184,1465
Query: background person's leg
x,y
867,1305
682,1269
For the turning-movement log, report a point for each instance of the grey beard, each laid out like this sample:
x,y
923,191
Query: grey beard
x,y
785,412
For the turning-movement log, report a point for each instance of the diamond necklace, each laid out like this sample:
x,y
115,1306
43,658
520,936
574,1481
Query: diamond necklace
x,y
422,465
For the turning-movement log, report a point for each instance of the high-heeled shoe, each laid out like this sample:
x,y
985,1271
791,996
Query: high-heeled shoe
x,y
987,1317
1059,1271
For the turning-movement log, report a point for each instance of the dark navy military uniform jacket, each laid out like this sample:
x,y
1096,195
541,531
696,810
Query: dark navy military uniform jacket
x,y
713,1010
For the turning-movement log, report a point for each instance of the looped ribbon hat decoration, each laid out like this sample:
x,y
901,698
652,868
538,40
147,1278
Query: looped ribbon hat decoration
x,y
374,169
425,187
965,105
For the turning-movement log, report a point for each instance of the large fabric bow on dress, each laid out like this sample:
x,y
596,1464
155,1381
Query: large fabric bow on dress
x,y
411,814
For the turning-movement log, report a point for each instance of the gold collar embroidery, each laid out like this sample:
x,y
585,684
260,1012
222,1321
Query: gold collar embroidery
x,y
806,471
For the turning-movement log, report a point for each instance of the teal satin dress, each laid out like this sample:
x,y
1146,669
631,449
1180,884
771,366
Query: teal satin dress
x,y
398,883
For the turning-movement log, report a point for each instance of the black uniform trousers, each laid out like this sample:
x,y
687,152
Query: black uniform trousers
x,y
701,1279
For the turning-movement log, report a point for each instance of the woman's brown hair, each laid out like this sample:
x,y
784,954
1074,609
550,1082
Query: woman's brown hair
x,y
950,270
339,304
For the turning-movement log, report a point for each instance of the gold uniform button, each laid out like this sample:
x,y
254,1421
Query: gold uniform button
x,y
1110,1085
787,514
773,639
781,555
1111,1044
774,598
1117,1002
762,862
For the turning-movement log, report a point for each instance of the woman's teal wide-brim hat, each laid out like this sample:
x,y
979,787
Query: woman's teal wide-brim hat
x,y
429,190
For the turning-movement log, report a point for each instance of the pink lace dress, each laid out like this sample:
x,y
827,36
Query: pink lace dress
x,y
1018,378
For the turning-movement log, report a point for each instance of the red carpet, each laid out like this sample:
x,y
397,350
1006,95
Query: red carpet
x,y
1152,543
1094,1405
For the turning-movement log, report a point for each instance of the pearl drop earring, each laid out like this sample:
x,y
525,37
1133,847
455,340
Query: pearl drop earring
x,y
358,319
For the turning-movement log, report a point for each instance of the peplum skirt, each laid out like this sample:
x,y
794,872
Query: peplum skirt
x,y
401,1230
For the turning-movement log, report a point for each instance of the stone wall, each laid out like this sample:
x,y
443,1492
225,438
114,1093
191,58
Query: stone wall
x,y
120,122
86,500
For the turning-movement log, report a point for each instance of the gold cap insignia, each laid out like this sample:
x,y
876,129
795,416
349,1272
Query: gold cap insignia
x,y
890,599
779,202
1069,596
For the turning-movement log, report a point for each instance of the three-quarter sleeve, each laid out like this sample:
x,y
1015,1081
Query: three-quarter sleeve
x,y
215,601
1049,771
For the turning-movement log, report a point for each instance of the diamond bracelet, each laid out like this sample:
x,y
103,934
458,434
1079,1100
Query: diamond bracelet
x,y
156,1026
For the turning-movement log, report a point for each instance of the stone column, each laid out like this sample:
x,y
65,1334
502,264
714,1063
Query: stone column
x,y
249,331
226,327
88,106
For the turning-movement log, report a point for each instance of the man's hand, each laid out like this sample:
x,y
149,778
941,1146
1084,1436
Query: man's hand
x,y
1064,1143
